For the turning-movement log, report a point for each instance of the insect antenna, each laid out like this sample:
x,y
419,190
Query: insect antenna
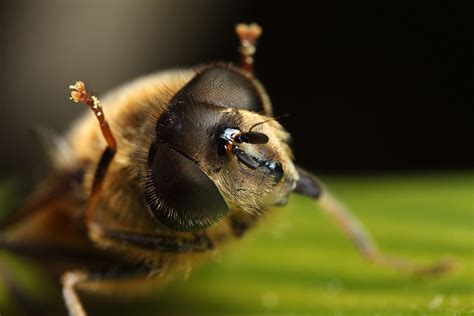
x,y
252,138
255,137
267,120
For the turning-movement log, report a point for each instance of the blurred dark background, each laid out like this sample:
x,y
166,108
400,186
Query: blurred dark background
x,y
367,88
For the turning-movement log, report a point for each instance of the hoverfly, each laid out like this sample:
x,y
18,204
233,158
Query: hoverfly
x,y
181,162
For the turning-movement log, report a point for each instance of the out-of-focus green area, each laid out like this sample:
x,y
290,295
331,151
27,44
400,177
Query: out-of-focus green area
x,y
298,263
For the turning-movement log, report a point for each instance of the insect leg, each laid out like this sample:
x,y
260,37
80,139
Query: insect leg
x,y
79,94
308,185
70,280
155,242
248,35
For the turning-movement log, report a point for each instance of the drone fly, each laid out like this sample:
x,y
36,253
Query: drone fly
x,y
168,169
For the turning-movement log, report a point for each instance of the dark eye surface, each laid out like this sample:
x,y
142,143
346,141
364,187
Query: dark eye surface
x,y
181,195
225,87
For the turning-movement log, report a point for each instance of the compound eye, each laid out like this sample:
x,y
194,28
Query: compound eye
x,y
181,195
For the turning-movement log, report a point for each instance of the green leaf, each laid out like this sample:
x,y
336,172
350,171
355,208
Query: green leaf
x,y
298,263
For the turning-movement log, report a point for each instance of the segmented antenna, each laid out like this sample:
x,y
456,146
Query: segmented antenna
x,y
252,138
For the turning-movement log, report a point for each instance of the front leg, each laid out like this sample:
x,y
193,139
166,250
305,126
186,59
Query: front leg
x,y
77,279
199,242
70,280
248,35
308,185
80,94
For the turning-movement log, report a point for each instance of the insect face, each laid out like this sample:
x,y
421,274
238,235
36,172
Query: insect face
x,y
199,149
258,166
209,158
